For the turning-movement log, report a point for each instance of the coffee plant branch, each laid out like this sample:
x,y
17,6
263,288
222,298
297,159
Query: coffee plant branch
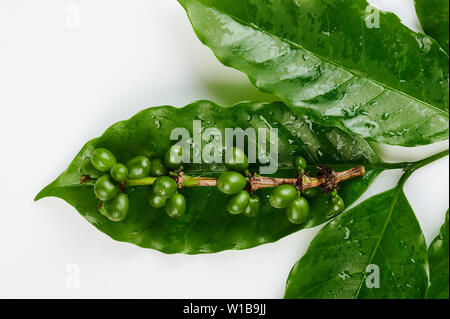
x,y
327,179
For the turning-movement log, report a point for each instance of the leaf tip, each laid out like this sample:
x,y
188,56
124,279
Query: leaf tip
x,y
42,194
39,196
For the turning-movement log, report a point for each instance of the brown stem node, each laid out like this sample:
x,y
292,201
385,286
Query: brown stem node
x,y
84,179
179,179
327,177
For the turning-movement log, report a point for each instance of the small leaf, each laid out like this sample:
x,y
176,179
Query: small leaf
x,y
439,265
329,60
375,250
433,15
206,226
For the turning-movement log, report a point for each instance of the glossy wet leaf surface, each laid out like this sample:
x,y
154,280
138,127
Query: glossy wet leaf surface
x,y
381,232
207,227
433,16
332,60
439,264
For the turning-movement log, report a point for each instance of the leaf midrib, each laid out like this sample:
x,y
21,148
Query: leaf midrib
x,y
377,244
354,72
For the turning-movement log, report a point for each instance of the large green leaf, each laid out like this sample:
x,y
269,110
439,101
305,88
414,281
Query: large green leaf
x,y
433,15
207,227
386,84
381,236
439,264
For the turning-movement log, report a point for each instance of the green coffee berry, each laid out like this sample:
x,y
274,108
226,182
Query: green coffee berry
x,y
253,208
138,167
157,168
298,211
116,209
310,192
156,201
237,204
231,183
103,160
238,161
282,196
165,186
174,157
105,188
176,206
335,199
300,163
119,173
336,204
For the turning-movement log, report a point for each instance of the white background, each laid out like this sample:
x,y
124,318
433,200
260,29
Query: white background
x,y
62,85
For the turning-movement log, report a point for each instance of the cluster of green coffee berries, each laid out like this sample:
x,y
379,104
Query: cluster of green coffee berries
x,y
294,201
164,190
114,203
285,196
164,194
234,183
288,197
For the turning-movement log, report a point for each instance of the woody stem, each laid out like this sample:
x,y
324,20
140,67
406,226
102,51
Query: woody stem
x,y
326,181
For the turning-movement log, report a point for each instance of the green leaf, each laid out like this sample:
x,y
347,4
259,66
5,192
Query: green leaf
x,y
433,15
386,84
382,233
439,265
207,227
